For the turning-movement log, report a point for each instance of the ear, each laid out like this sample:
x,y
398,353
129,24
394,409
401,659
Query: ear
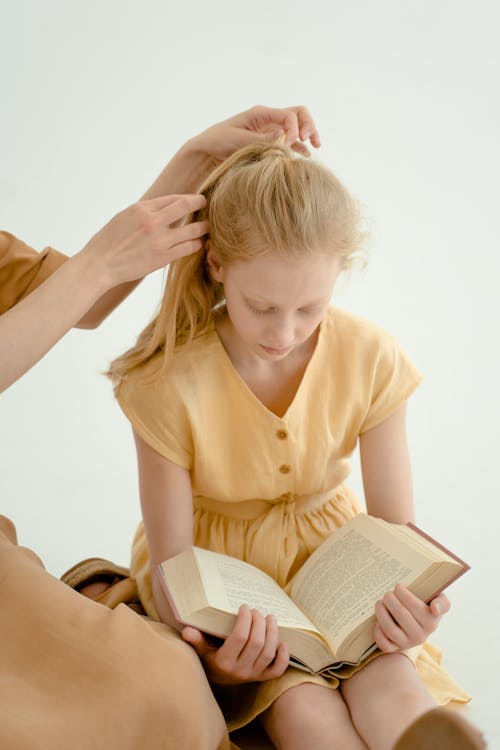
x,y
216,270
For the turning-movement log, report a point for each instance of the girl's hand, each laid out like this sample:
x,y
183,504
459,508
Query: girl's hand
x,y
259,123
404,620
251,653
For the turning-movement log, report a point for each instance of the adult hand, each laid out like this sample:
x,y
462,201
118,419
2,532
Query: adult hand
x,y
259,123
404,620
250,653
145,237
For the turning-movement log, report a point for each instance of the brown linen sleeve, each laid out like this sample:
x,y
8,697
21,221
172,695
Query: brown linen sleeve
x,y
22,269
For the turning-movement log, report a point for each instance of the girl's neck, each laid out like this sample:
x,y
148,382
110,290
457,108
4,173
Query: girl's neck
x,y
274,384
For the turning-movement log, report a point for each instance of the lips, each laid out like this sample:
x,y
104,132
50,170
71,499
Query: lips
x,y
272,350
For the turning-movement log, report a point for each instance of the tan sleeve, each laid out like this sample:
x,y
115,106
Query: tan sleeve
x,y
22,269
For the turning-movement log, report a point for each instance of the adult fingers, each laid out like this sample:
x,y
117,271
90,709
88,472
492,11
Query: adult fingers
x,y
266,118
180,250
307,127
192,231
171,211
156,204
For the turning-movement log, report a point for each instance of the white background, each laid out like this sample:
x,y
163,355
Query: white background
x,y
96,96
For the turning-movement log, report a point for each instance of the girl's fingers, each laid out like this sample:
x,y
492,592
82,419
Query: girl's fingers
x,y
279,665
440,605
390,627
269,649
383,642
425,615
255,643
235,642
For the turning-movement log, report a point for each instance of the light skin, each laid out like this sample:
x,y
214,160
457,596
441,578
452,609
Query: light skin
x,y
274,308
139,240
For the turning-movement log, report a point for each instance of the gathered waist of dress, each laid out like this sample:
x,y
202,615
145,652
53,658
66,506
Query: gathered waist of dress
x,y
251,509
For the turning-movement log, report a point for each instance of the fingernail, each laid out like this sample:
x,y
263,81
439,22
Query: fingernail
x,y
305,135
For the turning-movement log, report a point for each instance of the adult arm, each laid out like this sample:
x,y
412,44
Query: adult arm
x,y
189,167
252,651
135,242
403,620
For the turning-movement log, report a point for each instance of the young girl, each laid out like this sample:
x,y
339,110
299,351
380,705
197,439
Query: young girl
x,y
247,395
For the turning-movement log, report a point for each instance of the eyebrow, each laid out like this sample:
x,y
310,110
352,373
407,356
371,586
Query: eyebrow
x,y
264,301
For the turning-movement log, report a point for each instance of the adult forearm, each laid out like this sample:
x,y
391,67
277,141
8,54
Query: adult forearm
x,y
32,327
184,173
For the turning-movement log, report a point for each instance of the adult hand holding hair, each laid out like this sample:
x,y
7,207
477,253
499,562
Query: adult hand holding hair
x,y
89,285
140,239
262,123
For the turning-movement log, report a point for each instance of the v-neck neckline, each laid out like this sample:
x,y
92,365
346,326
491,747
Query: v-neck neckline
x,y
245,388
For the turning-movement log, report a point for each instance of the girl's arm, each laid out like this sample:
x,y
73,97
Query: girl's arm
x,y
385,467
167,510
403,620
252,651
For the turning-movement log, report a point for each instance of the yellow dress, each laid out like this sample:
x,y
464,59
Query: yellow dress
x,y
270,489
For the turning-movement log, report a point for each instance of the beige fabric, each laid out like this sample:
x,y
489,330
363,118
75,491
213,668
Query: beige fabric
x,y
22,269
75,674
267,489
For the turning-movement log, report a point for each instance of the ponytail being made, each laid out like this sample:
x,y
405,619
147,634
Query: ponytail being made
x,y
264,199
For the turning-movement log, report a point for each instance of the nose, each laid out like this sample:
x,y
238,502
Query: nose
x,y
281,332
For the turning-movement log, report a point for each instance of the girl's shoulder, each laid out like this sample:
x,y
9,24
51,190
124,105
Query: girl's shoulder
x,y
158,379
346,329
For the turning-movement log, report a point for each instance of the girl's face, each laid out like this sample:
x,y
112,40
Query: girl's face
x,y
276,304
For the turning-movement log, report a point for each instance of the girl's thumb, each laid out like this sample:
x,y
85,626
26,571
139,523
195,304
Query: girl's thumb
x,y
196,639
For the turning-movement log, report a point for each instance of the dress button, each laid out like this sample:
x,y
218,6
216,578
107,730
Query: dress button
x,y
285,469
286,496
281,434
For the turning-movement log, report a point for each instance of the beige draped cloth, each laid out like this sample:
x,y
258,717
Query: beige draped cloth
x,y
74,673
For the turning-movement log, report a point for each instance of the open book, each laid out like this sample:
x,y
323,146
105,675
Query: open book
x,y
327,618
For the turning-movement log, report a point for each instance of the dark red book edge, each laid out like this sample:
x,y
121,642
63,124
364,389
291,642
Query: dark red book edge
x,y
465,566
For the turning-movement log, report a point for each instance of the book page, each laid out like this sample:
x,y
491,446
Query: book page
x,y
230,582
345,577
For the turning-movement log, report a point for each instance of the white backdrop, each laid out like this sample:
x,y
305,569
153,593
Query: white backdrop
x,y
96,96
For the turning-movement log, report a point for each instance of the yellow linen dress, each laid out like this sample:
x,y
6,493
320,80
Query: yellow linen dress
x,y
270,489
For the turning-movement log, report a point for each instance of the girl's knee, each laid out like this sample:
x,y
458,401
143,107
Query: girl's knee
x,y
308,702
391,685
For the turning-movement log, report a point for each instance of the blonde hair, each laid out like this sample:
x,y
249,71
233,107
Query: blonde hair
x,y
263,199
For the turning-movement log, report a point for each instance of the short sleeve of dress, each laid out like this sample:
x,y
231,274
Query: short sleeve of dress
x,y
23,269
158,415
393,379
